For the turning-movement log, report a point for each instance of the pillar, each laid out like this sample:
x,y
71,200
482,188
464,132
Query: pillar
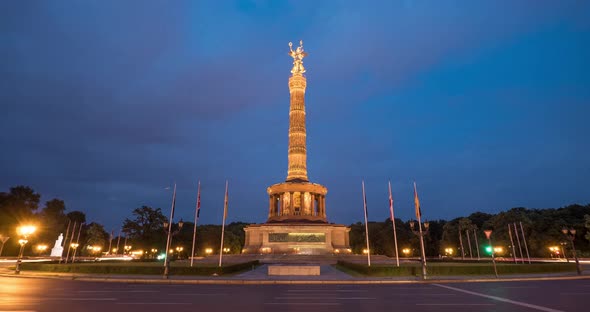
x,y
291,203
271,205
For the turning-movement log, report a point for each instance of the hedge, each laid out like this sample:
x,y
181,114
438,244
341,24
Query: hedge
x,y
454,269
137,268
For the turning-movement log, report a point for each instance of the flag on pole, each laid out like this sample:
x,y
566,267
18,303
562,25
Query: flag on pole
x,y
223,224
366,225
365,202
199,200
390,204
417,203
225,202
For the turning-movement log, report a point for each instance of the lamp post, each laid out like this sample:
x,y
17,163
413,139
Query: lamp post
x,y
489,237
24,232
170,233
127,248
563,244
571,235
421,234
75,247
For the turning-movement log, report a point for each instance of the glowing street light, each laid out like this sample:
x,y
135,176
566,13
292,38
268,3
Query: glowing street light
x,y
127,248
208,251
449,251
226,250
406,252
489,237
41,248
23,231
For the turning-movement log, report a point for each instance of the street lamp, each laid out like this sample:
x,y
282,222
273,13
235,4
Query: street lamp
x,y
24,232
179,249
406,252
170,233
75,247
41,248
489,237
449,252
571,235
127,248
208,251
421,234
563,244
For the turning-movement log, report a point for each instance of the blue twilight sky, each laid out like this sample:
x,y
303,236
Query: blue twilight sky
x,y
484,103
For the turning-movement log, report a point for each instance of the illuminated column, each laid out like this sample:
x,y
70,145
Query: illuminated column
x,y
297,134
313,212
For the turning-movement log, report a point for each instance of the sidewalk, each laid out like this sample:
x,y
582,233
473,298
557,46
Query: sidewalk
x,y
328,275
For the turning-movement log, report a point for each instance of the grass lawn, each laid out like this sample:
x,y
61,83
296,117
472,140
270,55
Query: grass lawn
x,y
452,268
143,268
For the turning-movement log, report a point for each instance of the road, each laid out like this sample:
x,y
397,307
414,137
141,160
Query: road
x,y
33,294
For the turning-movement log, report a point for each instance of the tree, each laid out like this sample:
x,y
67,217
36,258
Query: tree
x,y
587,225
77,216
96,235
146,228
52,221
17,205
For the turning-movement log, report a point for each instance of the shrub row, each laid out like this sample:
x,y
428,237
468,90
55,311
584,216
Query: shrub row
x,y
96,268
470,269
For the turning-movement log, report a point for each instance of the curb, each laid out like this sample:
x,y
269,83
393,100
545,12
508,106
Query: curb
x,y
288,282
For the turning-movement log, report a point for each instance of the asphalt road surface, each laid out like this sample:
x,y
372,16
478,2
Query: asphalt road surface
x,y
32,294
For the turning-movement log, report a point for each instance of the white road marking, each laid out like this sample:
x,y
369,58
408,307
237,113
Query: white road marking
x,y
324,298
118,291
574,294
517,287
520,303
327,290
195,294
305,303
152,303
455,304
81,299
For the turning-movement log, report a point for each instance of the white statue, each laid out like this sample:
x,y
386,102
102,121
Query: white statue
x,y
57,250
298,54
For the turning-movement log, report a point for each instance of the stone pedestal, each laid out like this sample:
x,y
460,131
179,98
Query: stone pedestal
x,y
296,238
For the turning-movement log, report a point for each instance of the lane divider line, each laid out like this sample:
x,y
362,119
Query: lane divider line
x,y
520,303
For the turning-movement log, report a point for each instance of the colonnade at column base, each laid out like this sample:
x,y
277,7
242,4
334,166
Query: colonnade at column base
x,y
297,201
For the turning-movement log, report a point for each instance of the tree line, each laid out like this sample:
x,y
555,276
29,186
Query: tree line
x,y
542,229
144,230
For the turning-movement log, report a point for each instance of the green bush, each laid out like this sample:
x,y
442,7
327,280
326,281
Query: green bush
x,y
450,269
137,268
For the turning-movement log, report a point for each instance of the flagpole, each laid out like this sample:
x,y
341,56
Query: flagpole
x,y
111,241
68,245
393,223
77,244
518,240
65,241
512,243
118,241
196,219
366,226
223,225
419,215
169,237
525,245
